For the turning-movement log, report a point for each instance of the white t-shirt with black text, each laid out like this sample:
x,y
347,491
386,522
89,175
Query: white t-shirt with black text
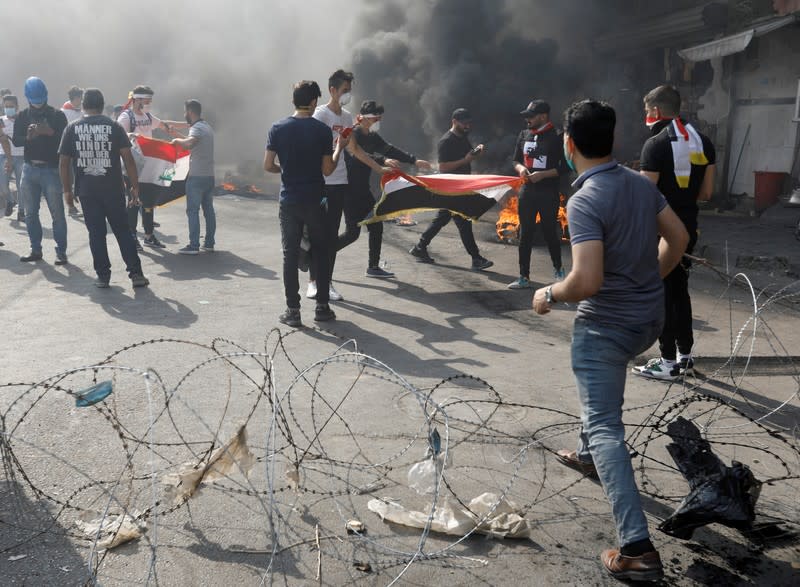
x,y
143,125
337,123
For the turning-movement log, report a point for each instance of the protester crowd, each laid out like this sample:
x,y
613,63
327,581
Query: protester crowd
x,y
629,231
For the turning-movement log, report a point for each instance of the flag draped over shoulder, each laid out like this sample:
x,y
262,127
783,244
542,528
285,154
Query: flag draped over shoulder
x,y
466,195
162,164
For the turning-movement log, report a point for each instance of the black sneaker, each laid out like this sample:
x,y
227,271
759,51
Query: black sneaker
x,y
32,256
20,216
156,224
379,272
686,366
9,208
139,280
137,242
421,253
61,259
291,317
323,313
152,241
102,282
479,263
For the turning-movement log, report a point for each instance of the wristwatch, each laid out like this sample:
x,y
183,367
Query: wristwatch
x,y
548,295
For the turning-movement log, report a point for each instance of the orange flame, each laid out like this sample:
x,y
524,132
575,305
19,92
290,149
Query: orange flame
x,y
253,189
228,187
508,222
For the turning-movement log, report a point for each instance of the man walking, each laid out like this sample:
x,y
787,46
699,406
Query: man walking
x,y
615,219
358,204
200,181
38,130
455,154
681,162
12,161
306,154
72,110
93,146
538,158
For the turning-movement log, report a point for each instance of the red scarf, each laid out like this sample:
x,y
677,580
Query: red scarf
x,y
544,129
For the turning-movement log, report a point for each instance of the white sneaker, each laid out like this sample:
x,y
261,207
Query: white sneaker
x,y
333,295
311,290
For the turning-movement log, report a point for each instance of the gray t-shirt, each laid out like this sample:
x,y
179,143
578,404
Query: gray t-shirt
x,y
619,207
201,161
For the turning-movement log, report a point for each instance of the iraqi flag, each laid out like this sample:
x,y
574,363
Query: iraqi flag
x,y
161,164
469,196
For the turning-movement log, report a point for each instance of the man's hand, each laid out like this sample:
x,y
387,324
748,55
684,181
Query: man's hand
x,y
134,199
535,177
539,302
69,198
392,163
385,169
342,141
424,165
522,172
9,167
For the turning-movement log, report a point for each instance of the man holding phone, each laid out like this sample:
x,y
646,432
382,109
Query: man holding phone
x,y
538,157
456,154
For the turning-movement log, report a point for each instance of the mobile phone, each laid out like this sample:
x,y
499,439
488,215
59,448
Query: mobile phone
x,y
476,150
346,132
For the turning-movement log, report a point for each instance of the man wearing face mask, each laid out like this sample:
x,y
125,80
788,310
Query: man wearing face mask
x,y
200,181
455,154
38,130
136,119
12,161
359,203
538,157
681,162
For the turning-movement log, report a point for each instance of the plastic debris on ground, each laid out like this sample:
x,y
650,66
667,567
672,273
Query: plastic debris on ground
x,y
718,493
112,530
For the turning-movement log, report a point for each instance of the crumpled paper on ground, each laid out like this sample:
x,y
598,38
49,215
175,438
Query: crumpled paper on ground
x,y
233,456
114,530
451,518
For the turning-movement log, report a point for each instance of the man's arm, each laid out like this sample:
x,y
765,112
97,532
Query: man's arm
x,y
359,153
583,281
133,175
188,143
330,162
674,239
9,164
269,162
20,136
65,172
707,187
651,175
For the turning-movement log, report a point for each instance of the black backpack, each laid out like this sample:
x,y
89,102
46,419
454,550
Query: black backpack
x,y
132,118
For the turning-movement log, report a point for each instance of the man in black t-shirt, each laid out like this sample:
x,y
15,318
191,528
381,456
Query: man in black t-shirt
x,y
681,162
455,156
538,157
358,205
93,145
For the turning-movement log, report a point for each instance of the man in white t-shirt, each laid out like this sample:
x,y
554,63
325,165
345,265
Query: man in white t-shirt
x,y
336,184
72,110
136,119
11,162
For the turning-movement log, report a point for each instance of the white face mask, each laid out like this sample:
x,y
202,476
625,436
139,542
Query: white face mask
x,y
375,127
344,99
145,108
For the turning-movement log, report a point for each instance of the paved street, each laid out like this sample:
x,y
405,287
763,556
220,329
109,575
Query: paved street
x,y
350,428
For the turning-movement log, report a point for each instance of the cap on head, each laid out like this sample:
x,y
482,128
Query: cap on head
x,y
371,108
462,115
536,107
35,91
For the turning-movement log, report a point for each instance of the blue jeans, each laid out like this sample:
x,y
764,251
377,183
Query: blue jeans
x,y
600,356
35,183
16,161
200,194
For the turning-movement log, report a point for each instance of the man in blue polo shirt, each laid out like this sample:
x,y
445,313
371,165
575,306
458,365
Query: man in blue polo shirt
x,y
305,156
615,219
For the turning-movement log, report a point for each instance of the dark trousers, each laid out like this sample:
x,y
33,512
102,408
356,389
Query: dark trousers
x,y
293,217
96,210
545,203
335,195
464,230
677,333
148,195
356,207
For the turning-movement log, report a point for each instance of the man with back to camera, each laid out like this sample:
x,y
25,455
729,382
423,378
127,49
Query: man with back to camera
x,y
93,146
681,162
615,220
455,154
538,158
361,201
200,180
300,149
38,130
